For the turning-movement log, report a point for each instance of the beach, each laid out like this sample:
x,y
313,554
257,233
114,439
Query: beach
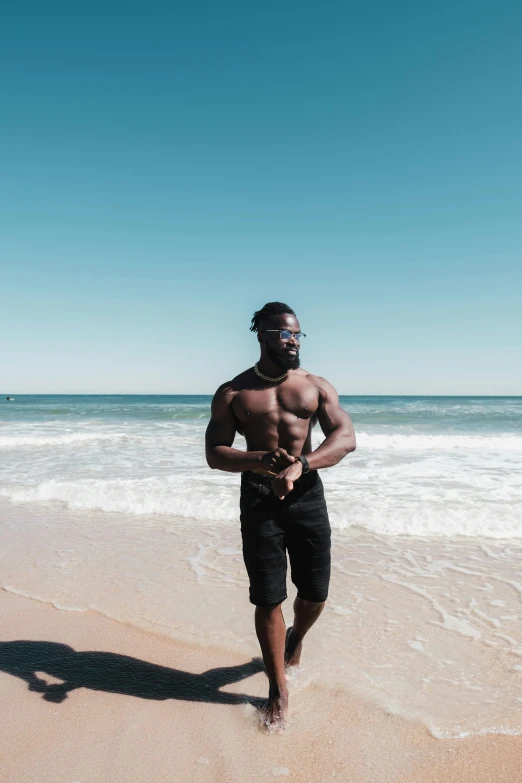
x,y
110,728
123,578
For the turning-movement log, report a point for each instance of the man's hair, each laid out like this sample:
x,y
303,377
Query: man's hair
x,y
271,308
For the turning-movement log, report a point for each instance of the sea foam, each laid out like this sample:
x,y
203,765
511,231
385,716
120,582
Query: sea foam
x,y
218,501
15,441
422,466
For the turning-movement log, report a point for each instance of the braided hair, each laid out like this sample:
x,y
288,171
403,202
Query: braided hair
x,y
271,308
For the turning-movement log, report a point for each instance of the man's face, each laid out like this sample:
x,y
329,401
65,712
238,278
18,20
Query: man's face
x,y
284,353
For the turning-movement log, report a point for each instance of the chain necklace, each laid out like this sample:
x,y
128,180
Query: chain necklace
x,y
267,377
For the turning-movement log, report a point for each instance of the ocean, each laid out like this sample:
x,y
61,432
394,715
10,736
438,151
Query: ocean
x,y
106,503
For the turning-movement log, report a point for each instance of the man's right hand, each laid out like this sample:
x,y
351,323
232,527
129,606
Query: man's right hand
x,y
277,460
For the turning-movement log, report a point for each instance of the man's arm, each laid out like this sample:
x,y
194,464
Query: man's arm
x,y
336,425
220,435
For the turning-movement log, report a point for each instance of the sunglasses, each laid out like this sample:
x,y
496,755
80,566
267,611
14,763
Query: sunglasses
x,y
286,334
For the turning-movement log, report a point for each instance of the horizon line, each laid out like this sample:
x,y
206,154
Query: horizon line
x,y
211,394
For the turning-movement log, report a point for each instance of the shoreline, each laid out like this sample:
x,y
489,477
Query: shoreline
x,y
166,721
427,629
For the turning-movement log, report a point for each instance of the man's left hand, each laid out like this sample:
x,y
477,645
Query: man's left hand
x,y
283,484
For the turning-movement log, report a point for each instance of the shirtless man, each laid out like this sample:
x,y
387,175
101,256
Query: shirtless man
x,y
274,405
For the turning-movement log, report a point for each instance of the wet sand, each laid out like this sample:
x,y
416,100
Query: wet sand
x,y
138,707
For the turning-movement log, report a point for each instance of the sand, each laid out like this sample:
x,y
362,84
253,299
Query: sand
x,y
153,717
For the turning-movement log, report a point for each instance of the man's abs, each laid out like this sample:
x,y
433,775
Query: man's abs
x,y
268,434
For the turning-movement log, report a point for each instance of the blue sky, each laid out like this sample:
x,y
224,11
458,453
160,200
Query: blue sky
x,y
167,168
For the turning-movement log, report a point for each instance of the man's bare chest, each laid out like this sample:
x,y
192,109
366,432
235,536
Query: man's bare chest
x,y
296,400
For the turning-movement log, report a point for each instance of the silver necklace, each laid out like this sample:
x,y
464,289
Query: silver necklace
x,y
267,377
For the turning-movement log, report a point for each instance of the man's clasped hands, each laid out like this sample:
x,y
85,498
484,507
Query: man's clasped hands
x,y
285,469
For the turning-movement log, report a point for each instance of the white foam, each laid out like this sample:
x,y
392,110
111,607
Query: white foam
x,y
14,441
170,495
214,497
41,599
396,483
402,442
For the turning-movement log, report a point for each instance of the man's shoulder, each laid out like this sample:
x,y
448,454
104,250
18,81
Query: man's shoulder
x,y
237,384
325,390
311,377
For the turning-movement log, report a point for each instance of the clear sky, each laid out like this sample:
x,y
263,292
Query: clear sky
x,y
167,168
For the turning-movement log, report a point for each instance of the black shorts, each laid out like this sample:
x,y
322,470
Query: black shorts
x,y
270,527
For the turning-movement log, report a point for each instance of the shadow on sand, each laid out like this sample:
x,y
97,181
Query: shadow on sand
x,y
103,671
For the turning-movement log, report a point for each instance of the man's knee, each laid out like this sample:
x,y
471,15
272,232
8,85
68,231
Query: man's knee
x,y
312,607
266,611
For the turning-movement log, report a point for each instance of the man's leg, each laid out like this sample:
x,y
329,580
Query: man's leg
x,y
305,615
309,550
270,629
264,551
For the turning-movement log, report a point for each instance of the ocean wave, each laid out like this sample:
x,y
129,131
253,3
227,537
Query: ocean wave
x,y
13,441
216,500
183,434
175,496
415,442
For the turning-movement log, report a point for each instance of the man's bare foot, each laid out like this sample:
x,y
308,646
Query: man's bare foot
x,y
276,710
292,650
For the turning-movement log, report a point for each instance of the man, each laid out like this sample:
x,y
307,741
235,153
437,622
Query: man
x,y
274,405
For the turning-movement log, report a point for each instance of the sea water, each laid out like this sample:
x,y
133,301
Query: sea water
x,y
106,502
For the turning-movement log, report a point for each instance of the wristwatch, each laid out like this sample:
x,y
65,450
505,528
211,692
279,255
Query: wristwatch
x,y
304,462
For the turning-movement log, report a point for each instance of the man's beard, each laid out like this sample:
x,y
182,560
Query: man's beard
x,y
285,362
